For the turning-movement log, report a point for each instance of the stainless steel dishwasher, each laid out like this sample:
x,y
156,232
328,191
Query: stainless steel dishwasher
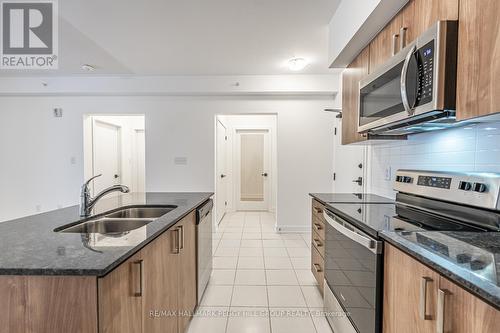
x,y
204,245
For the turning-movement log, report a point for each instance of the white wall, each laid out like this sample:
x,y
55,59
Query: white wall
x,y
471,148
42,156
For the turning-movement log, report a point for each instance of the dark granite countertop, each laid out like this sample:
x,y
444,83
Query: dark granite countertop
x,y
326,198
470,259
29,245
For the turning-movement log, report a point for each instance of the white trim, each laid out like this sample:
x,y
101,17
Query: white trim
x,y
293,229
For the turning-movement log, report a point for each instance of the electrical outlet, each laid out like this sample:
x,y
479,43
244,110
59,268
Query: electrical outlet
x,y
72,160
388,173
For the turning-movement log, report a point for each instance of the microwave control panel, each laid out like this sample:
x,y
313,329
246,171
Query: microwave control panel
x,y
425,60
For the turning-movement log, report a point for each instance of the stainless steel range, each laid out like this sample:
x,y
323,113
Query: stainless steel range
x,y
425,200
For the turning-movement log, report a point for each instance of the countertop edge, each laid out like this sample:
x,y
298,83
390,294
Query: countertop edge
x,y
406,247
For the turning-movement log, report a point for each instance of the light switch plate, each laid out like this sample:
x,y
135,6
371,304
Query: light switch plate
x,y
180,160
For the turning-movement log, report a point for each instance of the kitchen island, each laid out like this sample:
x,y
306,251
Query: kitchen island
x,y
54,281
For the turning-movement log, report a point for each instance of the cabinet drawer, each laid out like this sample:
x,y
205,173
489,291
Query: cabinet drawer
x,y
318,243
318,226
317,268
317,209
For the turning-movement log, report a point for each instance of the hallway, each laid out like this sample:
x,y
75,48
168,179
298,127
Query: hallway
x,y
261,281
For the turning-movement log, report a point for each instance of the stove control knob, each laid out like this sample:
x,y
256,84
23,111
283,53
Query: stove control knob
x,y
465,186
407,180
479,187
399,179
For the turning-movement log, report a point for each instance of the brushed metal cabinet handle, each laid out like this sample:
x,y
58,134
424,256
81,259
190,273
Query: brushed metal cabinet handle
x,y
423,298
139,263
318,226
176,244
402,37
317,243
317,268
441,307
394,43
181,237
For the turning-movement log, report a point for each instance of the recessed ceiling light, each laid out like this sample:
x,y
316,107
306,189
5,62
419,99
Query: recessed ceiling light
x,y
297,64
88,68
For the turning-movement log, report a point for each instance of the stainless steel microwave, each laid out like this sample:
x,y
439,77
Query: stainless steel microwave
x,y
414,91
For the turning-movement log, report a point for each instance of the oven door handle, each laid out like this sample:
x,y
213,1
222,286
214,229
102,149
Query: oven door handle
x,y
404,74
371,244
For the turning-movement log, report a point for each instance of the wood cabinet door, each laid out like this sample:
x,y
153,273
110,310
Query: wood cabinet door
x,y
160,283
427,12
463,312
350,97
187,271
120,302
381,46
478,86
408,285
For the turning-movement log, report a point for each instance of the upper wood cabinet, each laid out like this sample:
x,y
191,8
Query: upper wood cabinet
x,y
478,84
416,296
427,12
391,37
350,97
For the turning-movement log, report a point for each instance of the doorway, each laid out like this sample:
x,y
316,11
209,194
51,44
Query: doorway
x,y
252,170
114,147
246,171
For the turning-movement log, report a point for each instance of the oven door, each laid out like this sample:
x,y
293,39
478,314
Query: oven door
x,y
353,272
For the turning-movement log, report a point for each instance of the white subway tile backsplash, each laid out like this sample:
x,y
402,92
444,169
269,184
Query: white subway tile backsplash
x,y
470,148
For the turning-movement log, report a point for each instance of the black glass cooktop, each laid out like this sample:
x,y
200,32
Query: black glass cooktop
x,y
374,218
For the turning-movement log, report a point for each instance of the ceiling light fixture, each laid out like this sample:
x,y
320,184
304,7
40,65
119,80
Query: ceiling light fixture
x,y
297,64
88,68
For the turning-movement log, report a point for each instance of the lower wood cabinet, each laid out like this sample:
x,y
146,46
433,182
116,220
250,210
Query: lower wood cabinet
x,y
155,290
318,243
186,286
418,299
48,304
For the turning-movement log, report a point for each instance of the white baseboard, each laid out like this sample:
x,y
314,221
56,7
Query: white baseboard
x,y
292,228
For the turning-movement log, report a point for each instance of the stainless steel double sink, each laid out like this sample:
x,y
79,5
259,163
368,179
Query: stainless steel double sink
x,y
120,221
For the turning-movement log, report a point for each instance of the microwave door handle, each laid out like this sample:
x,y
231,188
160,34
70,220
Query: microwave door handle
x,y
371,244
404,74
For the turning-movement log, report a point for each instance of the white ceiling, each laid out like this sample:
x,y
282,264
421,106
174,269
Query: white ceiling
x,y
193,37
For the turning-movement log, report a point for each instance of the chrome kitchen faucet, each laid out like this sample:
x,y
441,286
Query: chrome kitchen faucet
x,y
87,202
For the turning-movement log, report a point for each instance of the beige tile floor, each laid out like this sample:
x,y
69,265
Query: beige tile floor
x,y
261,282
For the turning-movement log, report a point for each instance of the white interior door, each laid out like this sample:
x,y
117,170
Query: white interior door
x,y
106,155
252,169
349,164
140,161
221,191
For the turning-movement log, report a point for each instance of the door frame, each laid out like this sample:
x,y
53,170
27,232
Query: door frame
x,y
217,187
251,205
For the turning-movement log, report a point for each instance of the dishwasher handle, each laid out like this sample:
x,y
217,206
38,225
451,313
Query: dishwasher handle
x,y
353,233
